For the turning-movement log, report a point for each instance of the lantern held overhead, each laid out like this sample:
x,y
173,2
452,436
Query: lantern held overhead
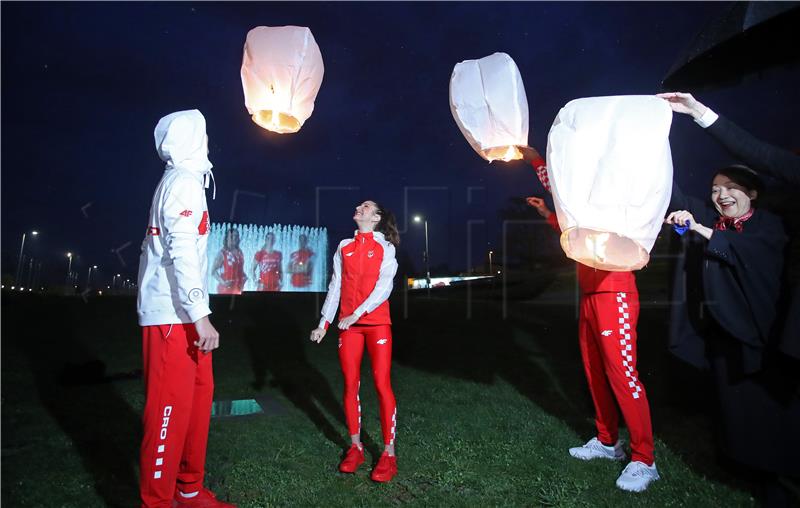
x,y
281,74
488,102
610,168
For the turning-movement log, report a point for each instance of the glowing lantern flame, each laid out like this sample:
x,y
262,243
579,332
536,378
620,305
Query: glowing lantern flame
x,y
281,74
502,153
603,250
488,102
597,244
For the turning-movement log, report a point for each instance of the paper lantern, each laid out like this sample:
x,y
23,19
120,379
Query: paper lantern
x,y
488,102
281,75
610,169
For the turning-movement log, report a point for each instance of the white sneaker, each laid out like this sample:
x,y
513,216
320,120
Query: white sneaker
x,y
594,449
637,476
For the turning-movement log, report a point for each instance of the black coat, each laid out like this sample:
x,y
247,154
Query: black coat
x,y
733,279
760,156
778,163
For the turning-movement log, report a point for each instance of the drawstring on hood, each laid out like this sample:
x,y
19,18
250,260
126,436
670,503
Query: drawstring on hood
x,y
205,183
182,143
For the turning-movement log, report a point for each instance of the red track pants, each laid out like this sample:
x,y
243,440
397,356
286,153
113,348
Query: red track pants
x,y
607,335
179,386
379,346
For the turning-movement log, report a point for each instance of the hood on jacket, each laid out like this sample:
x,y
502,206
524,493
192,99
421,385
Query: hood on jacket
x,y
182,143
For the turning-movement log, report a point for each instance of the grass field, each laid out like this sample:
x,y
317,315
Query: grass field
x,y
487,408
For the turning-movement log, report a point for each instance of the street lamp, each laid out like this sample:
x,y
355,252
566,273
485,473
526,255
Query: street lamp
x,y
114,281
69,266
22,246
30,273
490,261
89,277
417,218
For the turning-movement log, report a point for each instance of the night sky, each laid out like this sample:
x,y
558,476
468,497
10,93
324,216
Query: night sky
x,y
83,86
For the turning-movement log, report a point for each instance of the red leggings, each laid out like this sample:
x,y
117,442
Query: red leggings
x,y
379,346
179,386
607,335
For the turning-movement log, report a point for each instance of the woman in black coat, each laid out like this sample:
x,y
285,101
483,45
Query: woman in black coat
x,y
763,157
728,282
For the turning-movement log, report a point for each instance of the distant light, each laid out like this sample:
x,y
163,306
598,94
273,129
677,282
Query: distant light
x,y
30,289
22,288
34,233
100,293
498,271
417,218
108,287
118,275
69,254
95,267
12,287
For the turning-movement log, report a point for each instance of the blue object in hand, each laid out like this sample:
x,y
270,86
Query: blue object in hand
x,y
681,229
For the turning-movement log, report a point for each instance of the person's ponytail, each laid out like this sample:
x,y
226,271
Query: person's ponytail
x,y
388,225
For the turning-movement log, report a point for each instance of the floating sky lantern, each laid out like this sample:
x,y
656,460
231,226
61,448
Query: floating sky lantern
x,y
610,169
281,74
488,102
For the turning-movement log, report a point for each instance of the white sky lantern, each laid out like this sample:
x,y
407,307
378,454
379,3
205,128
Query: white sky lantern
x,y
488,102
281,75
610,168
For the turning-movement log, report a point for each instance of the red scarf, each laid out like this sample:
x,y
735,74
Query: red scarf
x,y
736,223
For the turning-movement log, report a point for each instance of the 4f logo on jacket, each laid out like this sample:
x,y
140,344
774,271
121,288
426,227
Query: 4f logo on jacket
x,y
186,213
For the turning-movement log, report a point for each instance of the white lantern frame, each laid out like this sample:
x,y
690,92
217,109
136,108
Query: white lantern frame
x,y
281,73
489,105
627,139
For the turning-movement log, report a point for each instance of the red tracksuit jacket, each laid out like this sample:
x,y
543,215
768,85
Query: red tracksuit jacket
x,y
363,270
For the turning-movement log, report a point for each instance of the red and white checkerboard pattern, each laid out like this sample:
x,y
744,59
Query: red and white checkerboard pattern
x,y
541,173
626,348
358,399
394,425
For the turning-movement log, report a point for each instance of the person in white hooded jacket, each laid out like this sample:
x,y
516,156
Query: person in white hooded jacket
x,y
173,308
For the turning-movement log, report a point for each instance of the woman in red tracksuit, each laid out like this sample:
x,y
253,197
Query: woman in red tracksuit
x,y
267,265
363,269
609,310
301,264
229,266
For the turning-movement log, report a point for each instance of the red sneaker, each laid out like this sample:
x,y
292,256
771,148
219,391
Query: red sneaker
x,y
204,499
353,459
386,468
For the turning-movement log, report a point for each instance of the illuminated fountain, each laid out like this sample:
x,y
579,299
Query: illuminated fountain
x,y
287,240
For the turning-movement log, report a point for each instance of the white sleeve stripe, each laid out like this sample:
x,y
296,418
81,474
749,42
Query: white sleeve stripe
x,y
334,288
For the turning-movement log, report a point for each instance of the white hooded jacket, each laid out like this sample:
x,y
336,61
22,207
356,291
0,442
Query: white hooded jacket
x,y
173,285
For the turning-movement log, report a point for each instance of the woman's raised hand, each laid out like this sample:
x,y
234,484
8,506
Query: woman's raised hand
x,y
540,206
684,103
